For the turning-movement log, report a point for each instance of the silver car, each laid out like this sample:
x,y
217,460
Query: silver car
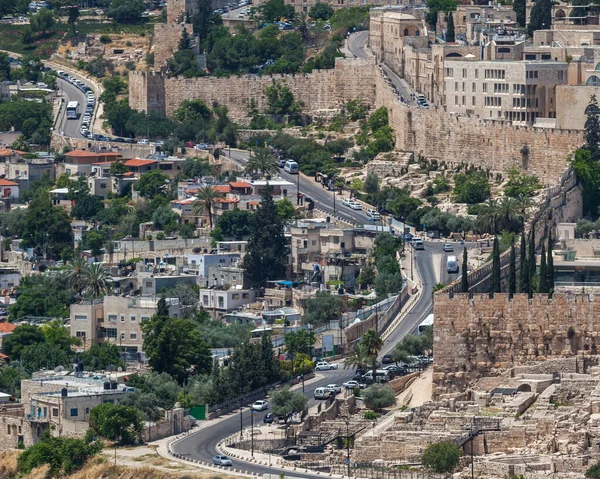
x,y
221,461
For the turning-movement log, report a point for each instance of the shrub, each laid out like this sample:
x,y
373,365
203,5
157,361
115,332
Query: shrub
x,y
593,472
441,457
377,397
105,39
371,415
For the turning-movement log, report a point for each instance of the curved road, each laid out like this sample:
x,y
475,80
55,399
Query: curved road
x,y
357,43
70,128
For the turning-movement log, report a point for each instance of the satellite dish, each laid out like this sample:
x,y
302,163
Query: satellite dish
x,y
119,369
110,367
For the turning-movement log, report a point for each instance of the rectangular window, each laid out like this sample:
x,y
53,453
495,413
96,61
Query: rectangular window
x,y
80,317
221,302
336,240
74,412
132,318
464,73
122,318
111,333
245,295
103,186
235,296
205,299
122,335
485,88
54,412
133,336
145,318
112,318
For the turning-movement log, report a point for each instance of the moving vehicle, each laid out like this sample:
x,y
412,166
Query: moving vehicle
x,y
418,244
72,110
269,418
281,163
374,215
334,388
448,247
291,167
387,359
322,393
143,141
356,206
381,376
452,264
354,385
260,405
219,460
324,365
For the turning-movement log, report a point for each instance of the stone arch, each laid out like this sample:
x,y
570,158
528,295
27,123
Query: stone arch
x,y
454,55
524,388
406,32
593,81
597,66
560,14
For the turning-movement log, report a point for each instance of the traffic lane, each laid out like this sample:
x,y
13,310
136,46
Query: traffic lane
x,y
404,90
72,93
202,445
357,43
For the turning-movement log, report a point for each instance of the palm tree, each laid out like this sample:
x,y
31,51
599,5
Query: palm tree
x,y
302,24
487,219
373,343
359,357
206,200
75,273
509,213
97,280
263,162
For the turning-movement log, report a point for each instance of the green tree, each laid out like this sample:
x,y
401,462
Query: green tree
x,y
58,335
531,258
274,10
441,457
550,265
205,19
87,207
42,21
519,185
298,342
23,336
286,210
592,126
587,170
27,35
44,355
373,343
118,169
164,216
471,188
435,6
512,270
280,100
99,356
519,6
73,16
543,284
232,225
64,456
450,36
321,309
126,11
116,422
366,277
75,273
185,43
321,11
41,295
359,358
11,377
284,402
262,161
496,284
207,197
464,278
267,247
152,184
524,269
97,279
175,346
540,17
371,183
377,397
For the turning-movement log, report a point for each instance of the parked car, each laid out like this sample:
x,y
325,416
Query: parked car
x,y
143,141
221,460
334,388
374,215
269,418
387,359
260,405
159,143
201,146
346,201
324,365
322,393
356,206
352,384
281,163
448,247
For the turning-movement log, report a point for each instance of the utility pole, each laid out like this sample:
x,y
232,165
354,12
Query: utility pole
x,y
347,420
241,417
298,194
252,412
334,201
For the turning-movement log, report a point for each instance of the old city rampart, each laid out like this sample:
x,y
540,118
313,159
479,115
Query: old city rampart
x,y
319,91
481,336
431,133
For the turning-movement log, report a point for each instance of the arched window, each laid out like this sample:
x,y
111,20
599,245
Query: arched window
x,y
593,81
417,33
597,66
406,32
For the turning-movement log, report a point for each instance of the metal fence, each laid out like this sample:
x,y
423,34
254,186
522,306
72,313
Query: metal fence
x,y
368,470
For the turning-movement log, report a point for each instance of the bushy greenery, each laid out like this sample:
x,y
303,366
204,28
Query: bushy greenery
x,y
472,187
520,185
446,223
377,397
116,422
41,295
323,308
441,457
285,402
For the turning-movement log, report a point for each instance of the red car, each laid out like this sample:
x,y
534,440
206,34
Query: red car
x,y
189,144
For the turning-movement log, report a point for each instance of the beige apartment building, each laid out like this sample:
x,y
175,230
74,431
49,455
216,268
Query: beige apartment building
x,y
116,319
516,91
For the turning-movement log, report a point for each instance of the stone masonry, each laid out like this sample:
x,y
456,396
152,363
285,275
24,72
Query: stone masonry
x,y
320,91
482,336
167,36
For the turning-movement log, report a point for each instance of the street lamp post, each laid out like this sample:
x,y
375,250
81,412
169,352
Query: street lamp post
x,y
334,201
347,420
252,412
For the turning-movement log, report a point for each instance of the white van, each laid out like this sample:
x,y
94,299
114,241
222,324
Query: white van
x,y
322,393
291,167
452,264
382,376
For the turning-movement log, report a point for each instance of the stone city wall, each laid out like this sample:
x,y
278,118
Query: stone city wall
x,y
321,91
433,133
479,336
166,40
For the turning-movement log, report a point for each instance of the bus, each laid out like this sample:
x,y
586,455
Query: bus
x,y
452,264
72,110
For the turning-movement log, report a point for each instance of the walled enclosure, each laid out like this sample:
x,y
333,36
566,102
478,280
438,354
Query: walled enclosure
x,y
319,91
482,335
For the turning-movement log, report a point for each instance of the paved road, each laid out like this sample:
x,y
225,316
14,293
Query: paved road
x,y
71,93
357,43
403,88
322,197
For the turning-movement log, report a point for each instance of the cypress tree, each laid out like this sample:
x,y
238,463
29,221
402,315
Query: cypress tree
x,y
496,267
464,281
512,271
524,272
450,36
184,42
519,6
531,257
550,265
543,287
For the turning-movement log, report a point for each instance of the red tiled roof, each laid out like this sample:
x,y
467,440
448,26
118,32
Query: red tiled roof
x,y
226,200
80,153
20,152
3,356
240,184
129,173
222,189
6,152
8,183
138,162
254,203
109,153
7,327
